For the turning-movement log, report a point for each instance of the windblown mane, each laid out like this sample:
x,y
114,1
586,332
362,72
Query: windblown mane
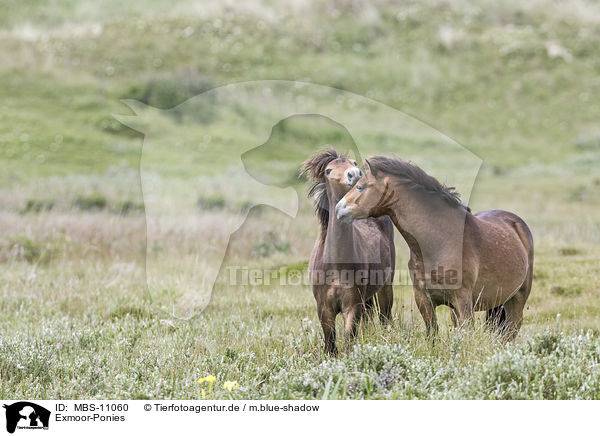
x,y
414,177
314,170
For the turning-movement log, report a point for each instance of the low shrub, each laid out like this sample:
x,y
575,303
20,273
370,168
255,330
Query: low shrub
x,y
167,91
37,206
90,202
211,202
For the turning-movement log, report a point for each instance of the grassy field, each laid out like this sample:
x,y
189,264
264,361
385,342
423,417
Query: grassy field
x,y
86,304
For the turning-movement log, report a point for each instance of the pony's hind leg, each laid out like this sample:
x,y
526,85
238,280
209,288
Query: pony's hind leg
x,y
514,317
386,300
514,312
381,304
352,317
370,306
515,305
453,317
462,305
495,318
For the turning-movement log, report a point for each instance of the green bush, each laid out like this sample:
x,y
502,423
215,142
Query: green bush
x,y
549,366
210,202
25,248
129,207
569,251
271,244
37,206
562,291
91,202
170,90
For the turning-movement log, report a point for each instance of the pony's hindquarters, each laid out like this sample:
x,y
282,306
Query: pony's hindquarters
x,y
508,317
499,256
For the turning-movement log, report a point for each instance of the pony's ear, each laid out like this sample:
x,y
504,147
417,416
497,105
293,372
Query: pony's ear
x,y
369,169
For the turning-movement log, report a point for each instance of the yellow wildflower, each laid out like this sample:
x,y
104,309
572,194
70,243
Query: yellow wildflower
x,y
207,379
231,385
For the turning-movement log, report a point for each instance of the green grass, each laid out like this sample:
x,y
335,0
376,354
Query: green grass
x,y
77,316
88,339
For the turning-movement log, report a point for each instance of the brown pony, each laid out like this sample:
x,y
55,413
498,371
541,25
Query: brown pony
x,y
352,264
469,262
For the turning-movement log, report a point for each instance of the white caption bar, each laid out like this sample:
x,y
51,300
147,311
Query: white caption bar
x,y
158,417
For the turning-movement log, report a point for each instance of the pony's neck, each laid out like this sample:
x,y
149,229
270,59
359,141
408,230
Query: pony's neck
x,y
339,240
429,225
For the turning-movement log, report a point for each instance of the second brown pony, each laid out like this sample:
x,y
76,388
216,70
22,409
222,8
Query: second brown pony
x,y
352,264
469,262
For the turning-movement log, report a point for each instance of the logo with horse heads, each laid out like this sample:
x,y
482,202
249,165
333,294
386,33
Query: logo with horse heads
x,y
211,166
26,415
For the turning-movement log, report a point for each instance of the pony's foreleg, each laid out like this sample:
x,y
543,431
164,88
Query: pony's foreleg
x,y
327,318
427,309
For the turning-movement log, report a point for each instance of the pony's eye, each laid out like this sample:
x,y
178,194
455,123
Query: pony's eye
x,y
355,164
360,188
328,171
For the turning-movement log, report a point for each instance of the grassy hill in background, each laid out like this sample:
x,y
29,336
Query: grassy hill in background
x,y
516,84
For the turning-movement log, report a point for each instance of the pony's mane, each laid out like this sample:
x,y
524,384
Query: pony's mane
x,y
414,177
314,170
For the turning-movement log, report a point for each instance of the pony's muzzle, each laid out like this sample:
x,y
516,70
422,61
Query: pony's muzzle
x,y
352,176
342,212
